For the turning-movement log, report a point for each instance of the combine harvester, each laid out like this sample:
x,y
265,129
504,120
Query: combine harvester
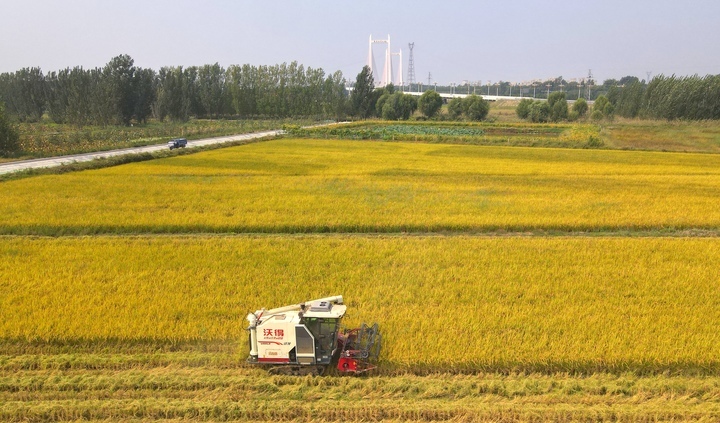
x,y
306,338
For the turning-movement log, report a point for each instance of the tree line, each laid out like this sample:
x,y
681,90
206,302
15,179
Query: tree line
x,y
668,97
121,93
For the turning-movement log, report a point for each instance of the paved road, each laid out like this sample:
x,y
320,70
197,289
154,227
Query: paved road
x,y
61,160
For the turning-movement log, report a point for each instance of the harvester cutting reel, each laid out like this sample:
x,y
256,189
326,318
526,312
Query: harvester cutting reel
x,y
359,349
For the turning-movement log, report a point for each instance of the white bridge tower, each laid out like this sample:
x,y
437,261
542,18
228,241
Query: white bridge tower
x,y
386,77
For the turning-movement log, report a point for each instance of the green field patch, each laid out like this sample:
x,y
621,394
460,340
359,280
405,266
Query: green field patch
x,y
514,134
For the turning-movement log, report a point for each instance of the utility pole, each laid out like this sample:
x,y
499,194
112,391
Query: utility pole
x,y
580,84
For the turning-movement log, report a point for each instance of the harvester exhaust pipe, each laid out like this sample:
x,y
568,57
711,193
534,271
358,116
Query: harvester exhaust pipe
x,y
252,318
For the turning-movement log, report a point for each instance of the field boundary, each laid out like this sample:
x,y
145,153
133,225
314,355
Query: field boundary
x,y
660,233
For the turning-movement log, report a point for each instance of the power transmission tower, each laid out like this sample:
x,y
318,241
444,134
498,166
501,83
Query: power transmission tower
x,y
648,75
429,79
411,67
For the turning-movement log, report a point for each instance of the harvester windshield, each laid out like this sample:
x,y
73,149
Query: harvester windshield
x,y
325,333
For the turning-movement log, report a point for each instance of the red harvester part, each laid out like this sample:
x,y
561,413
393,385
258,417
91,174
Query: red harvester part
x,y
360,349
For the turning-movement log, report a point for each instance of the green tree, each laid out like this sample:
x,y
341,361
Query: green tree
x,y
173,98
558,106
57,90
380,104
388,110
609,111
455,108
8,135
362,94
118,78
475,107
408,105
523,108
580,107
79,109
397,106
335,96
629,101
430,103
243,87
211,90
539,111
600,104
24,94
379,97
144,94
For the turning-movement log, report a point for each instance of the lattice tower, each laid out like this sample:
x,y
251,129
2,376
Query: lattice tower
x,y
411,66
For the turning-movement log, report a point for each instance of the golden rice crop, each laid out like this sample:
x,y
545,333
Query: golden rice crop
x,y
443,303
349,186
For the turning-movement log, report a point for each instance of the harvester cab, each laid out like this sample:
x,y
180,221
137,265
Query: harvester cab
x,y
307,338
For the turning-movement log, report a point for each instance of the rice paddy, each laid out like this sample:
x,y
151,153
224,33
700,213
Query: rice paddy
x,y
310,186
510,284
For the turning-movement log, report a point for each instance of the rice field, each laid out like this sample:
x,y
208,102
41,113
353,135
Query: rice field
x,y
510,284
310,186
528,304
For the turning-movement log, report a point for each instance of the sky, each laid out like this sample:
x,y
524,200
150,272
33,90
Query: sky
x,y
455,41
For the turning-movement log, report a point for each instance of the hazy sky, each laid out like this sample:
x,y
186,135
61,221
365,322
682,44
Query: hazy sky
x,y
509,40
